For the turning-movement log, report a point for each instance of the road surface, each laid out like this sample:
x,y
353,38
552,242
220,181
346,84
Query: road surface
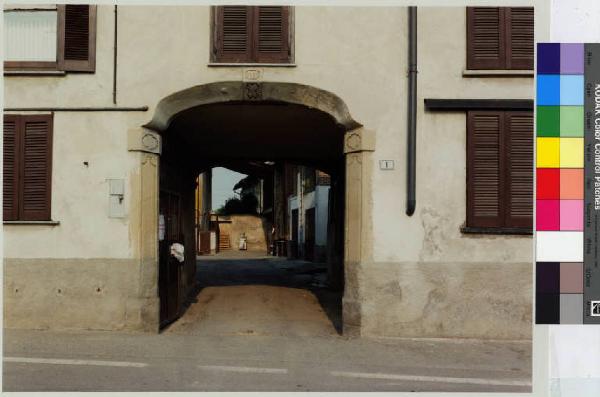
x,y
258,324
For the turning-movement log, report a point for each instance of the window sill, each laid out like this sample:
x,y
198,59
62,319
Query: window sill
x,y
496,231
497,73
43,223
252,65
45,73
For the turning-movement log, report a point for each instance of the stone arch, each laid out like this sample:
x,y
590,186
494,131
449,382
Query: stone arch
x,y
238,91
358,145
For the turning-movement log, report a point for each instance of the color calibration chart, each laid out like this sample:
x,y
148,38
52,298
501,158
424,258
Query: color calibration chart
x,y
567,173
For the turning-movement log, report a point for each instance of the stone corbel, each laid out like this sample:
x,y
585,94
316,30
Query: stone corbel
x,y
144,140
359,140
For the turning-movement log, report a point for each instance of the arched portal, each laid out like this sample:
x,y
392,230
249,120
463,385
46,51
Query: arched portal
x,y
237,91
241,124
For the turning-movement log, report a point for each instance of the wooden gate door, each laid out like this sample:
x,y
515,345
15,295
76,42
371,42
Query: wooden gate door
x,y
169,268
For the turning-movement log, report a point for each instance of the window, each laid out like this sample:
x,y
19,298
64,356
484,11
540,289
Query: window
x,y
500,169
27,166
51,38
500,38
243,34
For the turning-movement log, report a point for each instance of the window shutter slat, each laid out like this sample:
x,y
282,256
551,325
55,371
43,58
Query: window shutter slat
x,y
520,37
77,42
484,172
486,44
36,173
519,132
10,168
272,34
234,32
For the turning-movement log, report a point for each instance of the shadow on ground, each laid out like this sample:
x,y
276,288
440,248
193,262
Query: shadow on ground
x,y
250,293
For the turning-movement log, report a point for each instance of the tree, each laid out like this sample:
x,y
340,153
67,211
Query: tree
x,y
245,205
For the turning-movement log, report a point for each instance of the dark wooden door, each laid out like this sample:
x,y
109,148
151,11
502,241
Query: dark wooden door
x,y
309,234
204,243
169,268
294,240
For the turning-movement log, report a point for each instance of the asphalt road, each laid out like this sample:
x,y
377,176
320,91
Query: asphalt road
x,y
116,361
258,324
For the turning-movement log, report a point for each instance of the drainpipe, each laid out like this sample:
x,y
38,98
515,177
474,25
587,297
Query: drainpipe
x,y
412,110
115,61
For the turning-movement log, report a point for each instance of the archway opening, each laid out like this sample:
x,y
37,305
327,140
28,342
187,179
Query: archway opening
x,y
294,152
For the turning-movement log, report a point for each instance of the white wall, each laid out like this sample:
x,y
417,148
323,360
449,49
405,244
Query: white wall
x,y
318,199
322,214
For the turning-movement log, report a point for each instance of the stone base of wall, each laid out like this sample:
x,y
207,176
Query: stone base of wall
x,y
95,294
430,300
439,300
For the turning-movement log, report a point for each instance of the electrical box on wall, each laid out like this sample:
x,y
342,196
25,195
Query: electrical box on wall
x,y
116,198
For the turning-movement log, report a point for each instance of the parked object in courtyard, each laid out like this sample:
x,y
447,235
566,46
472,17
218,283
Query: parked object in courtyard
x,y
243,242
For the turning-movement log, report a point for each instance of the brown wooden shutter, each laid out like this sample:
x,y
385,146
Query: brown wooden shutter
x,y
77,38
486,44
10,168
36,170
484,169
520,23
233,38
519,169
272,27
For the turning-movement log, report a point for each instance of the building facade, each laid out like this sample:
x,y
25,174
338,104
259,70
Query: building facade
x,y
308,214
112,125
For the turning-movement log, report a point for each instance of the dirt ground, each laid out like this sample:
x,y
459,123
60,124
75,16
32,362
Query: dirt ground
x,y
243,293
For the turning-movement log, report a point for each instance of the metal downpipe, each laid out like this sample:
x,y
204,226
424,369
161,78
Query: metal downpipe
x,y
411,144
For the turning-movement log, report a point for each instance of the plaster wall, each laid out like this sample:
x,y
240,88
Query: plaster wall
x,y
347,55
322,213
433,234
426,278
364,63
80,193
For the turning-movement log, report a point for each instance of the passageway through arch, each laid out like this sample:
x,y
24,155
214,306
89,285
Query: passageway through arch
x,y
263,130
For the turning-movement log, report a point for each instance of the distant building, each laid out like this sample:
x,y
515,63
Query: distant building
x,y
308,213
303,225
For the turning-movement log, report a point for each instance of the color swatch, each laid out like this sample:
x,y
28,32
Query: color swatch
x,y
591,186
559,183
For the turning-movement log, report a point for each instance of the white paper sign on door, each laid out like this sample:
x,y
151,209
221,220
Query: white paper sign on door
x,y
161,227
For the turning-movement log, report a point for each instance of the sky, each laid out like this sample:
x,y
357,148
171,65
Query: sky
x,y
223,181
